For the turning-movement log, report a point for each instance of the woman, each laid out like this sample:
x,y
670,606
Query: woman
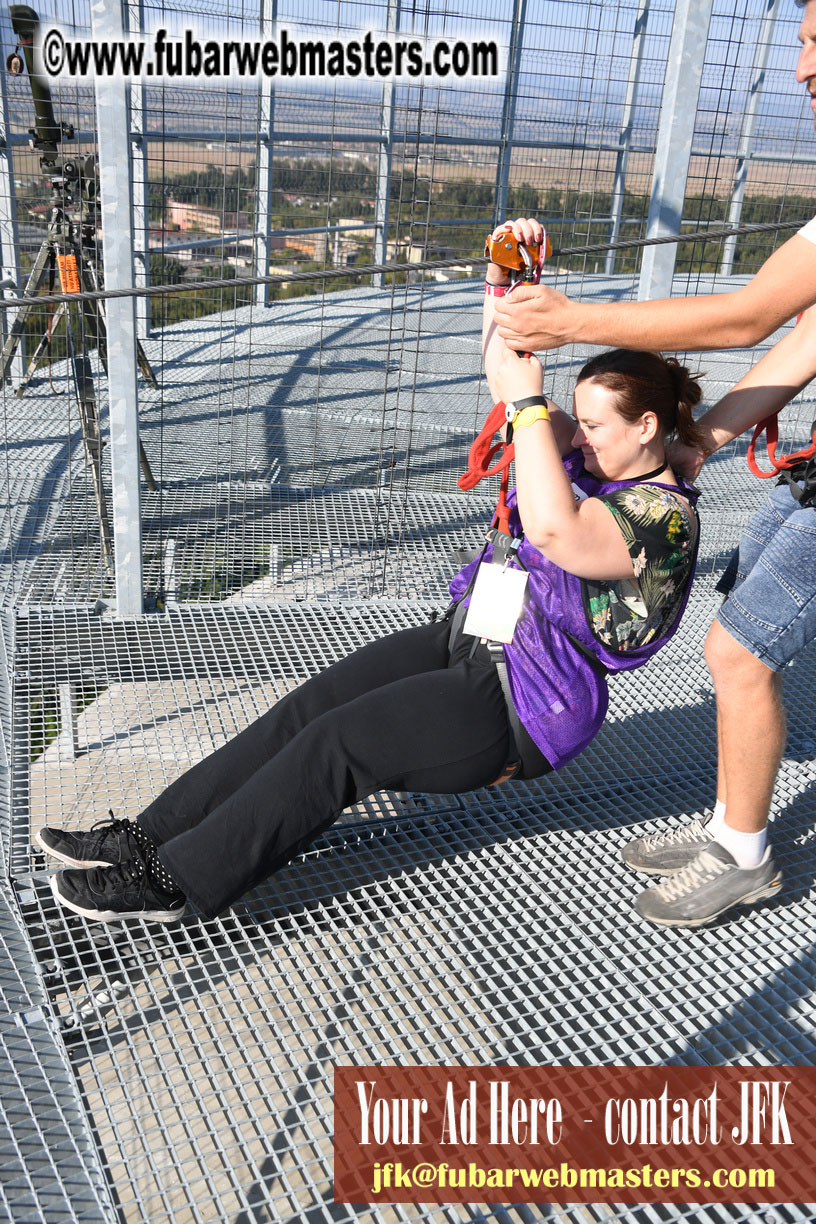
x,y
607,543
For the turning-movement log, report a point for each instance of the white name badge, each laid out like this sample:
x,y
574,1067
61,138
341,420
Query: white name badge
x,y
496,602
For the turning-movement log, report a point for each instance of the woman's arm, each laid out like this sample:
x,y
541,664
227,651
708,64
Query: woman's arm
x,y
493,347
582,537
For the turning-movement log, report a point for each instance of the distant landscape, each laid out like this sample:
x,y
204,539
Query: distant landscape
x,y
202,149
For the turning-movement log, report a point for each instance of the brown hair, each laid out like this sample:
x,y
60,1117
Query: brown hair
x,y
649,382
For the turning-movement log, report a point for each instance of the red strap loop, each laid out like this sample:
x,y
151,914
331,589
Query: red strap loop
x,y
770,427
479,457
482,452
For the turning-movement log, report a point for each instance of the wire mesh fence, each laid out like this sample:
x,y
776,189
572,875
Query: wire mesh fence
x,y
240,387
301,441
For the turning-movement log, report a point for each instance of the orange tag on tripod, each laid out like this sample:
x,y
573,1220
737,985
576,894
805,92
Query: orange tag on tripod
x,y
68,273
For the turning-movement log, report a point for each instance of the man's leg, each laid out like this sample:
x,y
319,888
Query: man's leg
x,y
762,627
750,730
723,650
668,851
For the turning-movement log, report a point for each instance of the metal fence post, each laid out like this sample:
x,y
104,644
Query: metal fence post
x,y
116,188
138,152
8,757
681,91
263,163
627,121
747,134
9,245
384,157
508,119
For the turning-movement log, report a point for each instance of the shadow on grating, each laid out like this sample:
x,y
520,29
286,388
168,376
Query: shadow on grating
x,y
495,927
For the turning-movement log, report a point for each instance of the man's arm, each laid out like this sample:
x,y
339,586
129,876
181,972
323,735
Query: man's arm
x,y
772,383
536,317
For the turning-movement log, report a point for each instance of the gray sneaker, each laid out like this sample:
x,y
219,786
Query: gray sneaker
x,y
665,853
708,886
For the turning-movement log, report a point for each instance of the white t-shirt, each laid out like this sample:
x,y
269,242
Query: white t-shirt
x,y
809,231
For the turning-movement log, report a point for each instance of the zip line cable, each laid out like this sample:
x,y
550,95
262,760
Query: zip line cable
x,y
425,265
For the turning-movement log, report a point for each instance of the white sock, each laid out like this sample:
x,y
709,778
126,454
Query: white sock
x,y
746,848
718,819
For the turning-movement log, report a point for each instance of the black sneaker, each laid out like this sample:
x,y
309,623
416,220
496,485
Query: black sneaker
x,y
109,894
105,844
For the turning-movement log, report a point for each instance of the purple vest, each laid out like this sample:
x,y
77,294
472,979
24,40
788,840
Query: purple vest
x,y
560,698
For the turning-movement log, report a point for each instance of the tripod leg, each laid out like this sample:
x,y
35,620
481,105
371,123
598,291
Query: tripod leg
x,y
45,253
94,323
94,311
36,357
141,355
89,420
145,366
145,466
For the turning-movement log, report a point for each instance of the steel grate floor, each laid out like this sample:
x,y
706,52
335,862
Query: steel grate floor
x,y
184,1074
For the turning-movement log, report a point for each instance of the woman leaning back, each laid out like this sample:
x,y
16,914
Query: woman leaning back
x,y
606,536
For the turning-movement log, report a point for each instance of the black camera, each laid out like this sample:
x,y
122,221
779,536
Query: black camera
x,y
47,134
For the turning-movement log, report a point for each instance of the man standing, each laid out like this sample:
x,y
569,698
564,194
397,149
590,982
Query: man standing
x,y
770,615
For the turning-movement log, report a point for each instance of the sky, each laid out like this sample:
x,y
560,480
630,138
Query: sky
x,y
575,60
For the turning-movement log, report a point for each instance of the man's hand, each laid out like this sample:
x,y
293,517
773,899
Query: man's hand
x,y
685,461
534,317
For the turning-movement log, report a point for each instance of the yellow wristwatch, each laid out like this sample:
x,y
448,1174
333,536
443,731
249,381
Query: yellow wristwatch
x,y
536,412
526,411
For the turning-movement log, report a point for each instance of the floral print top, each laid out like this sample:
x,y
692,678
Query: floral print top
x,y
661,534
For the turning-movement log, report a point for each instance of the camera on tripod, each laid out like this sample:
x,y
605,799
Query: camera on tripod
x,y
47,134
72,180
70,251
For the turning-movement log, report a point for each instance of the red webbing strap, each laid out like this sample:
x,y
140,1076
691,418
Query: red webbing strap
x,y
479,457
770,427
481,452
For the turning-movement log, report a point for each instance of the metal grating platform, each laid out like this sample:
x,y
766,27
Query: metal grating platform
x,y
190,1068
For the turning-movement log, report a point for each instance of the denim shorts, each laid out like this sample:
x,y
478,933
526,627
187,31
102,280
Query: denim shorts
x,y
771,608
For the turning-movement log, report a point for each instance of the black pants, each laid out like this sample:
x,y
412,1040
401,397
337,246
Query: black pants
x,y
400,714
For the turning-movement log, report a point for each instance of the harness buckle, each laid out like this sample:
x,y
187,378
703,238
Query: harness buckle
x,y
504,546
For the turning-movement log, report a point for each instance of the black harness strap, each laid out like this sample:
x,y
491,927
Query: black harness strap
x,y
806,472
496,651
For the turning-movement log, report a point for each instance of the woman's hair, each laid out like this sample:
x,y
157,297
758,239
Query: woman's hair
x,y
649,382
